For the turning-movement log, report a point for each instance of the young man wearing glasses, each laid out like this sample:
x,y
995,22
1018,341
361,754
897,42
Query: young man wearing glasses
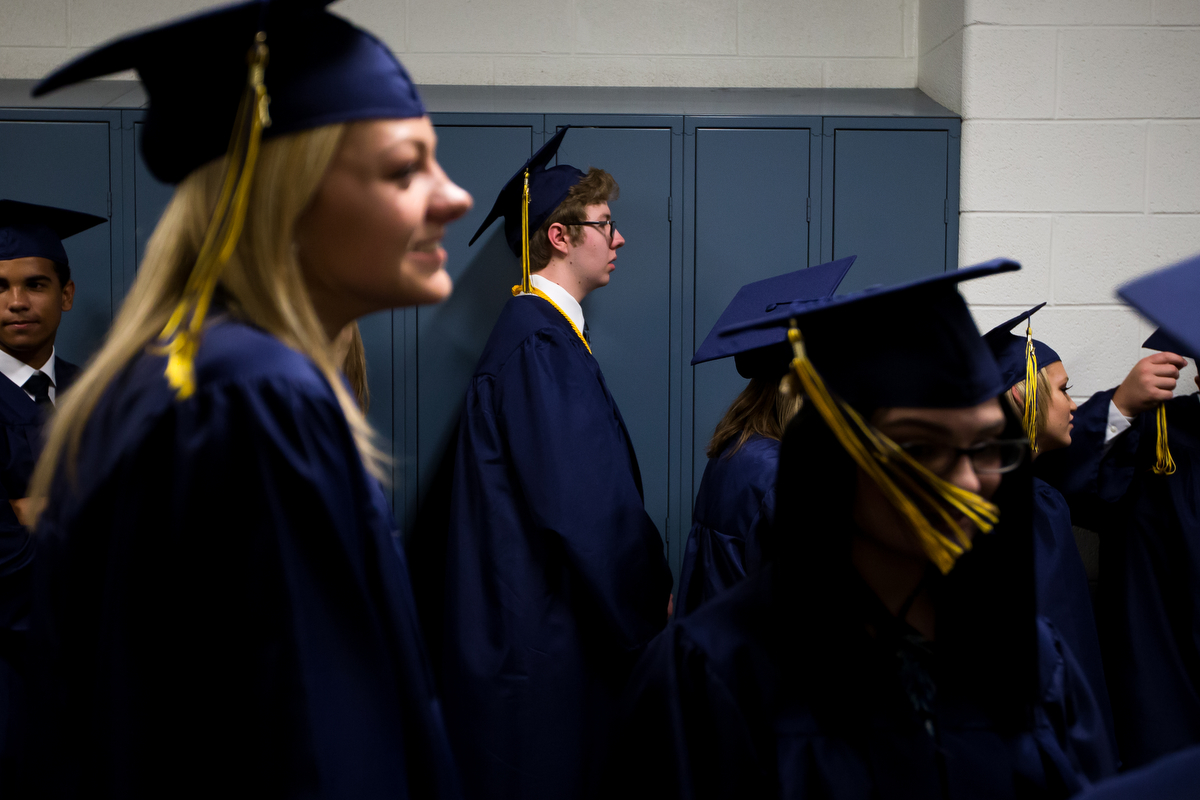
x,y
555,575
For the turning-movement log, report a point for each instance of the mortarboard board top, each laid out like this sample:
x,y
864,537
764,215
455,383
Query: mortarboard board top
x,y
764,352
1163,341
321,70
1168,298
28,230
913,345
1009,348
548,187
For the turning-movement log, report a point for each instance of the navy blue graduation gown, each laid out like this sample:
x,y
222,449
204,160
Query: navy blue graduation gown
x,y
713,713
1173,777
21,424
1064,598
730,520
220,606
555,574
1149,600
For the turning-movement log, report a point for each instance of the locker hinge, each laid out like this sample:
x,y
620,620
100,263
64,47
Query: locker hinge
x,y
808,209
110,203
668,209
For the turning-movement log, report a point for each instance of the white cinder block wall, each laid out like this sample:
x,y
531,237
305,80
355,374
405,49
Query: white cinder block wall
x,y
775,43
1081,135
1080,158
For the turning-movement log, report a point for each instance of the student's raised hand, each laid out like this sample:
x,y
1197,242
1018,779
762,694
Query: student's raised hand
x,y
1150,382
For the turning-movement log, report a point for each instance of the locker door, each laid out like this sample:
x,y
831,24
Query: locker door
x,y
752,190
480,153
62,159
630,320
891,195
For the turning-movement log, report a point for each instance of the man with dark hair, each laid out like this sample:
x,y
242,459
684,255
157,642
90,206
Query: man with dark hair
x,y
555,575
35,289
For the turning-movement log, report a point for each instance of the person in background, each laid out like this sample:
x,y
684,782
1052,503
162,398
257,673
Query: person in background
x,y
1132,474
349,352
735,503
1063,597
891,646
555,575
1168,298
219,606
35,289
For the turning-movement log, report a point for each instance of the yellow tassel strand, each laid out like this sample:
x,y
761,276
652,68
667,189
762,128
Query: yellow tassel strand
x,y
180,338
886,463
526,286
1165,465
1029,419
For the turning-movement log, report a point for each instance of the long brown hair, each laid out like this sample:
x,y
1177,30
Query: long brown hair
x,y
761,408
348,348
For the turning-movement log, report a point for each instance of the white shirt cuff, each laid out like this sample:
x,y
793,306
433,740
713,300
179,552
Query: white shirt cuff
x,y
1118,423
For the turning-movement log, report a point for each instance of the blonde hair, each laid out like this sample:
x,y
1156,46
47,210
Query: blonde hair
x,y
760,408
262,284
1040,414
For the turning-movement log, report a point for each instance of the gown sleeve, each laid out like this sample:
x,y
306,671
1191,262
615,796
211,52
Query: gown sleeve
x,y
562,431
1089,474
224,607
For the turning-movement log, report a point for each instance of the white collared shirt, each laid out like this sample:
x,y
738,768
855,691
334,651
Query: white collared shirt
x,y
18,371
561,297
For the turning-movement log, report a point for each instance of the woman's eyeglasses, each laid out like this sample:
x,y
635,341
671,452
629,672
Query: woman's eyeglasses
x,y
987,458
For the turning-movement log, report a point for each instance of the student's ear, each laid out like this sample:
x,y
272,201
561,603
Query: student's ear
x,y
557,233
68,296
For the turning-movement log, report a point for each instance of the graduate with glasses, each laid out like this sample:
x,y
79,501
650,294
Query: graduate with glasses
x,y
220,605
555,576
892,647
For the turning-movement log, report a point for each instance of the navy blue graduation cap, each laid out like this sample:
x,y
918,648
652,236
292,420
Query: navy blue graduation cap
x,y
28,230
1161,340
319,70
220,82
913,345
764,352
1010,349
529,198
1020,358
1169,298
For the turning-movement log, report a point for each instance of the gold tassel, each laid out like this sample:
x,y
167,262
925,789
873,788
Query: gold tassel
x,y
180,338
886,464
1029,419
1165,465
526,287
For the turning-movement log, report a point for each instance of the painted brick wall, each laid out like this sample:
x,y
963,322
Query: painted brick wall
x,y
764,43
1080,158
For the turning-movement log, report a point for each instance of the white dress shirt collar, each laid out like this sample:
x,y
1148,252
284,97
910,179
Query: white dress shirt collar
x,y
561,297
18,371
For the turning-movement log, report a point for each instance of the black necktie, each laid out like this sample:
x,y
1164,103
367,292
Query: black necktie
x,y
586,338
38,386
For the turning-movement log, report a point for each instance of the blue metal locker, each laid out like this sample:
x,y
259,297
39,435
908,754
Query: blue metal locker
x,y
480,153
754,191
888,187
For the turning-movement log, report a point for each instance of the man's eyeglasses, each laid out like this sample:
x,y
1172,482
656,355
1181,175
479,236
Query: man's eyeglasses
x,y
987,458
600,225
